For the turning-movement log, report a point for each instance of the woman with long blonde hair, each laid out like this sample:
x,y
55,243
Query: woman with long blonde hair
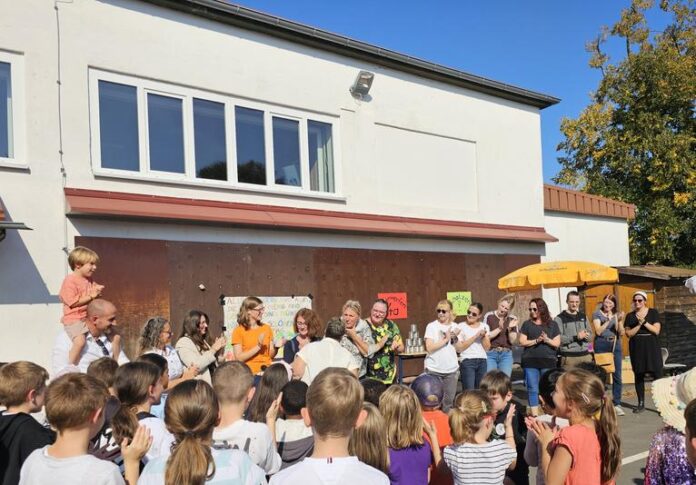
x,y
192,411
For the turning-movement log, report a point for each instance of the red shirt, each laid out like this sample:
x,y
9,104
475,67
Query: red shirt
x,y
444,438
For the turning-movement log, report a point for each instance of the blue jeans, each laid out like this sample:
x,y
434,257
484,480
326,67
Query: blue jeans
x,y
602,345
531,380
501,360
472,371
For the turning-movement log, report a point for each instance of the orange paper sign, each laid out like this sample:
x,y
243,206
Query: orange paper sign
x,y
398,305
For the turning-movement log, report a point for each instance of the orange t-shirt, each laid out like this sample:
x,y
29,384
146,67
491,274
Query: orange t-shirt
x,y
444,438
583,445
73,288
248,339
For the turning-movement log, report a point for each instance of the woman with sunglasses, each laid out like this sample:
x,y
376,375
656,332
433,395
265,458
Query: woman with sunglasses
x,y
441,361
608,326
540,338
643,327
472,345
252,340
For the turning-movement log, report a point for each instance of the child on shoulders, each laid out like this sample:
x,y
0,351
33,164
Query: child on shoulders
x,y
76,292
22,392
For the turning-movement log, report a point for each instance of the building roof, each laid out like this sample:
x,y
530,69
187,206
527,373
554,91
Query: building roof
x,y
560,199
246,18
127,205
657,272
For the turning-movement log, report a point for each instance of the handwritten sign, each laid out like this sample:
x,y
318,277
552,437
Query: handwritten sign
x,y
461,301
279,314
398,305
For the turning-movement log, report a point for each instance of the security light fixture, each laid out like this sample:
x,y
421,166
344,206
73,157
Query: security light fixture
x,y
362,84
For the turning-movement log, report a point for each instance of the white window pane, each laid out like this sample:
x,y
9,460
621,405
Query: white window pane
x,y
166,128
321,161
5,110
209,135
251,151
118,126
286,152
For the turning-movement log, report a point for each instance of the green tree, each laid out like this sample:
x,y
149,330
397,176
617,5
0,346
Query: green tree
x,y
636,141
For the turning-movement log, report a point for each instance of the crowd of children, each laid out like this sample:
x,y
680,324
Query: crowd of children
x,y
126,422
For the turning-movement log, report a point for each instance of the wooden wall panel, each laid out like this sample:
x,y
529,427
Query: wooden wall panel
x,y
135,275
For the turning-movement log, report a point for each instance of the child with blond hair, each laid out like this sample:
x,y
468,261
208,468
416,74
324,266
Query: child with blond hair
x,y
76,292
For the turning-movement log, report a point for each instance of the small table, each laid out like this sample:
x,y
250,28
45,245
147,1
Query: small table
x,y
400,363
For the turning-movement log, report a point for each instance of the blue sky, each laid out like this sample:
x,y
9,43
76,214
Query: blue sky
x,y
537,44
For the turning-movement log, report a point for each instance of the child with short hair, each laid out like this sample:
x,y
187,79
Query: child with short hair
x,y
498,386
334,410
138,386
473,458
292,436
102,445
410,455
192,411
22,392
74,407
76,292
233,385
588,451
547,387
430,392
369,441
373,390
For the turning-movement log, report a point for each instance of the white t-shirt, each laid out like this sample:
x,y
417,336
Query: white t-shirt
x,y
253,438
443,360
174,364
324,353
162,439
475,350
40,468
232,467
330,471
474,464
291,430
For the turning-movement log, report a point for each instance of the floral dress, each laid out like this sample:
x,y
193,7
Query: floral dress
x,y
381,366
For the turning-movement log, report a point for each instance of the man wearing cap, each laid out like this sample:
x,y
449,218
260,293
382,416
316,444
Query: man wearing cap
x,y
575,333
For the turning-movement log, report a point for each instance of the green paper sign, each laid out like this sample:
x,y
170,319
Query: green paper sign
x,y
461,301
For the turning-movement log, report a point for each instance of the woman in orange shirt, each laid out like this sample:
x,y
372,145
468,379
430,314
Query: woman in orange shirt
x,y
252,340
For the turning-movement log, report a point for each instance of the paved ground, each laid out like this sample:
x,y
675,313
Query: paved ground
x,y
636,431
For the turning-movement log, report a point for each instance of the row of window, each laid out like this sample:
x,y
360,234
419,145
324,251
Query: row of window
x,y
150,129
163,131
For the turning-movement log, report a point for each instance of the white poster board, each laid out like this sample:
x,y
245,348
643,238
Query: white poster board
x,y
279,314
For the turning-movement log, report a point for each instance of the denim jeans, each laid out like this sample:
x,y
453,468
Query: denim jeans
x,y
602,345
531,380
472,371
501,360
449,384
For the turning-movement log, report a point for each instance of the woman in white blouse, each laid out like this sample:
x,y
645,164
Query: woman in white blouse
x,y
195,347
156,338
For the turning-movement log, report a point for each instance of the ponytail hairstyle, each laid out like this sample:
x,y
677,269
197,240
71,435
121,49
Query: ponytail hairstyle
x,y
249,303
400,408
369,441
191,329
191,414
133,384
467,416
274,378
586,391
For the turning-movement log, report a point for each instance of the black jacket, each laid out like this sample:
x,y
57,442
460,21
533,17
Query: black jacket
x,y
20,435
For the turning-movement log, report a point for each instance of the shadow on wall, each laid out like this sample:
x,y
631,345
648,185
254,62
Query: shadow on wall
x,y
678,335
20,279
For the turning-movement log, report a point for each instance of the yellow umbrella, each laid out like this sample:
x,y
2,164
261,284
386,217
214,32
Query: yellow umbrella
x,y
558,274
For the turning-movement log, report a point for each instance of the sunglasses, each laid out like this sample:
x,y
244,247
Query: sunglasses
x,y
533,309
473,314
638,300
440,310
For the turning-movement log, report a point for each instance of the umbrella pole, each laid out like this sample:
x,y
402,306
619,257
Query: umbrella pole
x,y
560,305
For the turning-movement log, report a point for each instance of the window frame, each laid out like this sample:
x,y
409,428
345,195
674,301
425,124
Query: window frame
x,y
17,137
187,95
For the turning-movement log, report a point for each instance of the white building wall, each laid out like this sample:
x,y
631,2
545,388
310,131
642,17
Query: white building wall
x,y
416,148
582,237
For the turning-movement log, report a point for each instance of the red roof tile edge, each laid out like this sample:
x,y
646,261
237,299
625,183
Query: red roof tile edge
x,y
565,200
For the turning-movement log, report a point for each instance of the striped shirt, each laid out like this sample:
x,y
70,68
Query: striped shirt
x,y
479,464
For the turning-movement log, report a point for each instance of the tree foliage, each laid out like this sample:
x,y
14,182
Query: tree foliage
x,y
636,141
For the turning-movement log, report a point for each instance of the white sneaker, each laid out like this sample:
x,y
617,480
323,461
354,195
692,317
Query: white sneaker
x,y
619,411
